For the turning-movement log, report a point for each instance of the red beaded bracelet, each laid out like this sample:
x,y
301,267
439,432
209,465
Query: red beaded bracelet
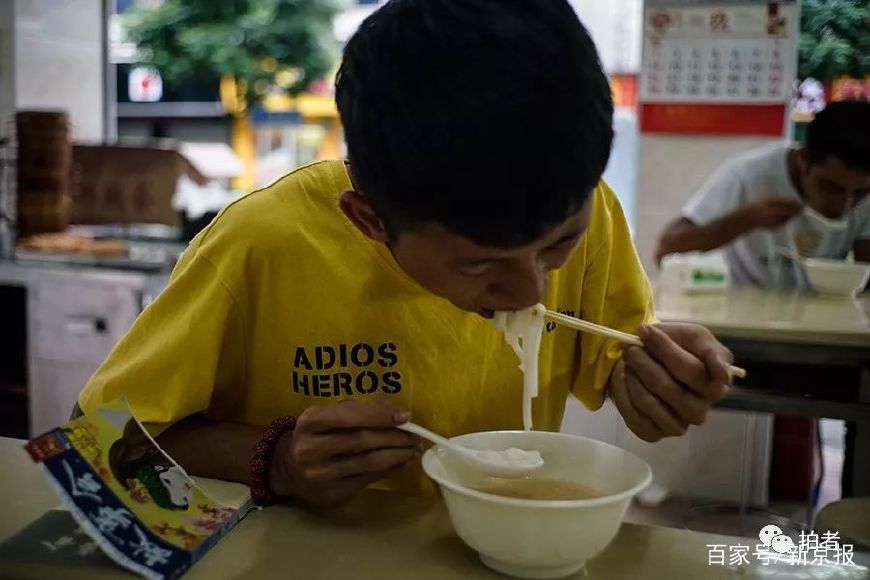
x,y
261,493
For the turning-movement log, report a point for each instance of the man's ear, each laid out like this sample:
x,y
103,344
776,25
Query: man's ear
x,y
362,215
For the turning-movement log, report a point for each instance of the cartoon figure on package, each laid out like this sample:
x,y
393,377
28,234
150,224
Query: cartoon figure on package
x,y
139,465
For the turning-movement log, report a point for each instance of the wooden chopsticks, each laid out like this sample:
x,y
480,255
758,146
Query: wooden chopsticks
x,y
592,328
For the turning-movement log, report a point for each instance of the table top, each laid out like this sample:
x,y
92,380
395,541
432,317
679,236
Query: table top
x,y
382,535
772,315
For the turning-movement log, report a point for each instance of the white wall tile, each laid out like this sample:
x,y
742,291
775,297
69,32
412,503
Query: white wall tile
x,y
671,169
7,62
59,61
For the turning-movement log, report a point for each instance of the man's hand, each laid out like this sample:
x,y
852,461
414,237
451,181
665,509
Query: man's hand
x,y
337,450
772,212
672,382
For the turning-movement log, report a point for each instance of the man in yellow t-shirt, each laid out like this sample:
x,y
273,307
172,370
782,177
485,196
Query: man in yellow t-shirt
x,y
477,133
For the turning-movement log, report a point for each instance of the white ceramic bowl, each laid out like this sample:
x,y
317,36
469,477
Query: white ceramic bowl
x,y
835,277
540,538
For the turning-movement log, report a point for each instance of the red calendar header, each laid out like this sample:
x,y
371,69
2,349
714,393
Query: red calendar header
x,y
713,119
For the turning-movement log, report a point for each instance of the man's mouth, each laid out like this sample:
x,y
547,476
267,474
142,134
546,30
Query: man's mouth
x,y
490,312
486,312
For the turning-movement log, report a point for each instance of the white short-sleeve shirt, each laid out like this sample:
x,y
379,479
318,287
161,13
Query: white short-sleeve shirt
x,y
752,258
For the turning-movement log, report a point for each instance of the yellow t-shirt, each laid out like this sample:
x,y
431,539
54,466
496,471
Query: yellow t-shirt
x,y
281,303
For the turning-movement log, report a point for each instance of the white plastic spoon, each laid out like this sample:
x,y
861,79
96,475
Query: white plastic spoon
x,y
508,463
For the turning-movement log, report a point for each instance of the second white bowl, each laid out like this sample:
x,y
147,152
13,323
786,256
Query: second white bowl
x,y
835,277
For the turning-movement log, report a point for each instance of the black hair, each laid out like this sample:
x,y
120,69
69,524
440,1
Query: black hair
x,y
490,117
841,130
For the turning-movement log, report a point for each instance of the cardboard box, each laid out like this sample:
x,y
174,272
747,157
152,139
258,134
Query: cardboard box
x,y
127,185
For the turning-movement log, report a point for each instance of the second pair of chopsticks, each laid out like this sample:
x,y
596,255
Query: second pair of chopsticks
x,y
592,328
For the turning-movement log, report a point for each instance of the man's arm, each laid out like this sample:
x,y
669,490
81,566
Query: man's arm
x,y
671,382
684,235
206,448
214,449
334,452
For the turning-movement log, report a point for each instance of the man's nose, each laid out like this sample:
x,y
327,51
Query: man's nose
x,y
523,287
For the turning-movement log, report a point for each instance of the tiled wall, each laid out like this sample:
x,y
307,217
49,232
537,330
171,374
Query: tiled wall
x,y
59,61
693,465
615,26
621,172
7,86
671,169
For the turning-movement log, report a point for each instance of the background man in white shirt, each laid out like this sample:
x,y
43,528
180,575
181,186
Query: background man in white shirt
x,y
809,199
